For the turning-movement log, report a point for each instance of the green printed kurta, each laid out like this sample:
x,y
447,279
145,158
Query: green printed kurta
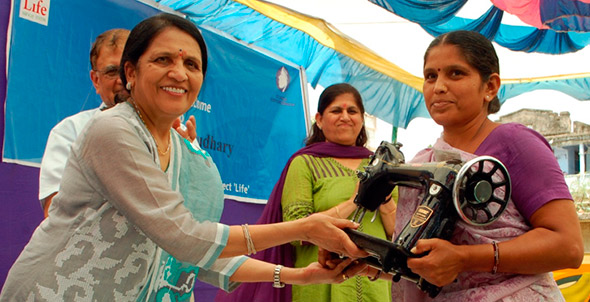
x,y
315,184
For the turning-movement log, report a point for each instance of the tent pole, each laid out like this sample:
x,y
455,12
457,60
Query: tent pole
x,y
394,134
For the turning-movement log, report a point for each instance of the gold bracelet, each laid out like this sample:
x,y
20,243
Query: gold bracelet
x,y
377,275
496,257
249,242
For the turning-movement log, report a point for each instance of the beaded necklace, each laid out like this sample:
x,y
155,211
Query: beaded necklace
x,y
163,153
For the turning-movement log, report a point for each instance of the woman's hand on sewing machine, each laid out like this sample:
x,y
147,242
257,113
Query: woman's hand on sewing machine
x,y
328,259
316,273
332,261
327,232
358,267
442,263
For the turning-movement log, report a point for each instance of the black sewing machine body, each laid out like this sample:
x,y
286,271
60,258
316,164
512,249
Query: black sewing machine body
x,y
452,189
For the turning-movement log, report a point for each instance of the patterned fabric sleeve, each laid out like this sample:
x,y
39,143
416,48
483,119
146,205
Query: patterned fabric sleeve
x,y
135,185
297,200
219,273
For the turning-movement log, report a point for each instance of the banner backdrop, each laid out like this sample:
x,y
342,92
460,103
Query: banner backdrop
x,y
49,64
250,113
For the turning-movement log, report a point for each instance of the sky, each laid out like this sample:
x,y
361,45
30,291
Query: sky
x,y
403,43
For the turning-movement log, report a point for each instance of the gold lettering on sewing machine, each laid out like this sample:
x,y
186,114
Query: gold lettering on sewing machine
x,y
421,215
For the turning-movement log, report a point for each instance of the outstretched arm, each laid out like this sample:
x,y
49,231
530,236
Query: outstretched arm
x,y
321,230
259,271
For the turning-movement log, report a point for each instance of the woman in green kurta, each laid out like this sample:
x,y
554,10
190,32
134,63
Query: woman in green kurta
x,y
327,184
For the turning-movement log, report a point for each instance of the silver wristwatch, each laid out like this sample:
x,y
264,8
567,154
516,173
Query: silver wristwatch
x,y
277,277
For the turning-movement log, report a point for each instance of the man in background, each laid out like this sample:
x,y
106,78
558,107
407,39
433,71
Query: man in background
x,y
105,58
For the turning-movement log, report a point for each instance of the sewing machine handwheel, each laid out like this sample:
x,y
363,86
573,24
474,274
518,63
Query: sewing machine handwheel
x,y
481,190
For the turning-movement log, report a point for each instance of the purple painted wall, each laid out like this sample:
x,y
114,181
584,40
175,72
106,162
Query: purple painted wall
x,y
233,213
20,212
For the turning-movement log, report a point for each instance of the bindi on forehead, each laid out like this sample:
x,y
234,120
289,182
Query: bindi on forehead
x,y
181,53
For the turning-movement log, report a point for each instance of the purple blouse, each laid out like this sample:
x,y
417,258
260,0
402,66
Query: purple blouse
x,y
536,180
536,176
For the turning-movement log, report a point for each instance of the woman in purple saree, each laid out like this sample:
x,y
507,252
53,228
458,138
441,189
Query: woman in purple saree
x,y
510,259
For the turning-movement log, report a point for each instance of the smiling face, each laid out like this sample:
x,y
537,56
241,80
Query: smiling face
x,y
168,76
453,90
342,120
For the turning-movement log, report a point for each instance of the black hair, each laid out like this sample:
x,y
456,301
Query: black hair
x,y
478,52
326,98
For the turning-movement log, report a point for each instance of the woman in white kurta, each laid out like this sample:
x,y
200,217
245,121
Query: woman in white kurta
x,y
117,211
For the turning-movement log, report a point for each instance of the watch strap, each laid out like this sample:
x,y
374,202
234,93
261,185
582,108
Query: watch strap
x,y
277,277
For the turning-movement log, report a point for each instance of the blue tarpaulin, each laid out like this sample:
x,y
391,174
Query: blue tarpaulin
x,y
568,21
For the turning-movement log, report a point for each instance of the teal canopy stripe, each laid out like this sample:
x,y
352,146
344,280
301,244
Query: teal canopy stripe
x,y
385,97
578,88
438,17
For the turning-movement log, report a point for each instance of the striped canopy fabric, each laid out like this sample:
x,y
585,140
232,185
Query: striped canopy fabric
x,y
328,56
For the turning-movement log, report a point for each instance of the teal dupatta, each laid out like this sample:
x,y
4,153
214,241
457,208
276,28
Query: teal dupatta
x,y
192,173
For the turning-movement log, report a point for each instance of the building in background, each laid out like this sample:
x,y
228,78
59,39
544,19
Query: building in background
x,y
570,141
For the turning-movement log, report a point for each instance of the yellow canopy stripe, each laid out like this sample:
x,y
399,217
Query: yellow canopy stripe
x,y
328,36
547,78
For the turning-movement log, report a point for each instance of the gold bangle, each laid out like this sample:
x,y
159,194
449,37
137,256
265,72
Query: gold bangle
x,y
374,278
249,242
496,257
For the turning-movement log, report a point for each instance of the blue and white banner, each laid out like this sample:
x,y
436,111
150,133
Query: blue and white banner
x,y
49,65
250,113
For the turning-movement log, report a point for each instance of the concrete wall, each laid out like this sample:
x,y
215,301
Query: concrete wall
x,y
545,122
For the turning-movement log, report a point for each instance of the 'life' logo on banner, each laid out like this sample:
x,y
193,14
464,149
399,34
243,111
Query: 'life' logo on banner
x,y
35,10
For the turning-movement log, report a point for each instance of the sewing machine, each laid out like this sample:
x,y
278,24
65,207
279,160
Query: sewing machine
x,y
477,191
